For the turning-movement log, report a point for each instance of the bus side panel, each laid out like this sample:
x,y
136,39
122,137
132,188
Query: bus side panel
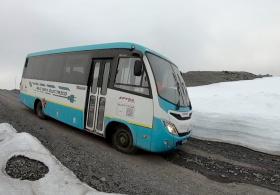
x,y
65,114
134,111
141,135
27,94
62,101
27,100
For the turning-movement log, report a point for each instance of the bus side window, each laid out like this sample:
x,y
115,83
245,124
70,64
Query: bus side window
x,y
76,69
125,78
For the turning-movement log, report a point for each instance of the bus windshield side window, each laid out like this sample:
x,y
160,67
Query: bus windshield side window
x,y
125,78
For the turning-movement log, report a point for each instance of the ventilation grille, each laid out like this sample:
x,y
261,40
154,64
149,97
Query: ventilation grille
x,y
179,117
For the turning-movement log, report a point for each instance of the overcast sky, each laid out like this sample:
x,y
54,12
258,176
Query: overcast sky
x,y
242,35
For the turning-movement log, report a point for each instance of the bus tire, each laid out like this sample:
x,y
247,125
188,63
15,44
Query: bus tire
x,y
122,140
39,110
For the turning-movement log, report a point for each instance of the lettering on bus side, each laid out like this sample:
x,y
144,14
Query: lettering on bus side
x,y
56,92
125,106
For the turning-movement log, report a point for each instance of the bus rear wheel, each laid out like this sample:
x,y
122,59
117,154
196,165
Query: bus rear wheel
x,y
39,110
123,141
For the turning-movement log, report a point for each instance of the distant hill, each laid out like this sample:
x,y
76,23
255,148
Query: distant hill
x,y
197,78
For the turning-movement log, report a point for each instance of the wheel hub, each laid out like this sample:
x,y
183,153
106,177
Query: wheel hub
x,y
123,140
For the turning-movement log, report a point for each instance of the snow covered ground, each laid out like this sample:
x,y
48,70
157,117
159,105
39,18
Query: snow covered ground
x,y
246,113
59,179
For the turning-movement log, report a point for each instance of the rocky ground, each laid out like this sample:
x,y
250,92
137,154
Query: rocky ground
x,y
197,78
21,167
199,167
228,163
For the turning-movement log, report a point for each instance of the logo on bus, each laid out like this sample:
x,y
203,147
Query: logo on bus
x,y
131,100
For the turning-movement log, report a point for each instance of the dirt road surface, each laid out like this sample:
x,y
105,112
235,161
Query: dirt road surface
x,y
199,167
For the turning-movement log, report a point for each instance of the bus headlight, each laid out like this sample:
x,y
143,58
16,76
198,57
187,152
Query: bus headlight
x,y
171,127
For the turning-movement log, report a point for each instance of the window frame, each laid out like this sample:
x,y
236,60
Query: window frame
x,y
128,91
154,75
108,76
69,56
25,68
66,56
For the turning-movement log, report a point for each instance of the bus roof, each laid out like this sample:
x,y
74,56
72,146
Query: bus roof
x,y
116,45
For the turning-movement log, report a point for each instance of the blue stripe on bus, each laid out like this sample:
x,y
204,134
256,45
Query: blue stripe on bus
x,y
62,113
163,140
141,135
27,100
156,139
116,45
65,114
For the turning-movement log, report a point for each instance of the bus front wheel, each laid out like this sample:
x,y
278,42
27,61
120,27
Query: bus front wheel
x,y
39,110
123,141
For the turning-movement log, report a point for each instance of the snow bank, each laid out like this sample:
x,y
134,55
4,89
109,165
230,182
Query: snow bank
x,y
246,113
59,180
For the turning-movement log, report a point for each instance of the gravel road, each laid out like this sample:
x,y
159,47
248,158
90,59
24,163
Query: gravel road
x,y
199,167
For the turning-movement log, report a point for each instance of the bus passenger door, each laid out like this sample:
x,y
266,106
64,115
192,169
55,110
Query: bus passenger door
x,y
97,95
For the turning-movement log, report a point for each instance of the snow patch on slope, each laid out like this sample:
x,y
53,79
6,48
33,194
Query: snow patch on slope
x,y
246,113
59,180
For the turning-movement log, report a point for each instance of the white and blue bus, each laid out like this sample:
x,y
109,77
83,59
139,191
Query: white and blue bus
x,y
124,92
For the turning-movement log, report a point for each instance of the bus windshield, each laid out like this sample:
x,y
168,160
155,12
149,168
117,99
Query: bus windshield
x,y
169,82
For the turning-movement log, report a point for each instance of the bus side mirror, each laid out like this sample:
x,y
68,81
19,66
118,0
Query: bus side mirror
x,y
138,66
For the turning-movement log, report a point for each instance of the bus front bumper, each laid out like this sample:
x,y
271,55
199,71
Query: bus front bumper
x,y
177,141
164,141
